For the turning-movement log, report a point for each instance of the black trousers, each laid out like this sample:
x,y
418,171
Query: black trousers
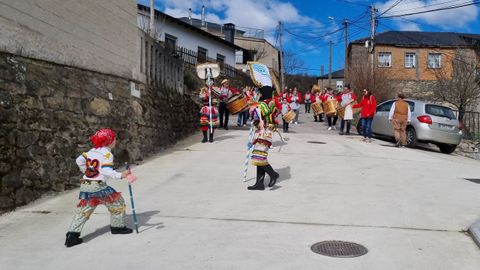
x,y
329,119
307,107
223,111
285,125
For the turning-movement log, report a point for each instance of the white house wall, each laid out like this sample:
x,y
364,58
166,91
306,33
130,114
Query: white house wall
x,y
189,39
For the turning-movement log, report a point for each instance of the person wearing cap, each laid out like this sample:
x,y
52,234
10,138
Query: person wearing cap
x,y
96,166
264,121
400,116
225,93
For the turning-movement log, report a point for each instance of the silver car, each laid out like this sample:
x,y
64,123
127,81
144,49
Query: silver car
x,y
430,123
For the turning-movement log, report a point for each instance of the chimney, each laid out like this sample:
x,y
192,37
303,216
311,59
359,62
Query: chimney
x,y
203,17
229,29
190,15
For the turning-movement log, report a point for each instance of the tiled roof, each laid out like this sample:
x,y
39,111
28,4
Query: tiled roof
x,y
424,39
339,74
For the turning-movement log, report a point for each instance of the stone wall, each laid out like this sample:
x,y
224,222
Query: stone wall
x,y
49,111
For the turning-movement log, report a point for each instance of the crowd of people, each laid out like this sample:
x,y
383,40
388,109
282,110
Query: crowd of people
x,y
316,102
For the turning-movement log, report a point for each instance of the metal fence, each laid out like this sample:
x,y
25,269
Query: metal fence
x,y
471,124
192,58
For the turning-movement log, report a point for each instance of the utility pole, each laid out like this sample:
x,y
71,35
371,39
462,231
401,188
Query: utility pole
x,y
345,67
282,66
330,65
152,18
372,37
321,75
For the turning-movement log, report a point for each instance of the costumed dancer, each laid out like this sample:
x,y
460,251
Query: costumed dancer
x,y
346,98
226,92
205,116
265,125
97,166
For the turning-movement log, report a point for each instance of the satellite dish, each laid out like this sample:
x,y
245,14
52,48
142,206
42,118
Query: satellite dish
x,y
212,69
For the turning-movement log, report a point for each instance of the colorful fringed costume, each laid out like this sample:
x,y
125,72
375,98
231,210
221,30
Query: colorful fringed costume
x,y
96,166
264,115
205,115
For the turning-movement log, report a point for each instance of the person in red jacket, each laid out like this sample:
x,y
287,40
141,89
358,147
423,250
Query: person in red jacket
x,y
368,105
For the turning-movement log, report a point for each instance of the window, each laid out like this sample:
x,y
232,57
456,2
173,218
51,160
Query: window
x,y
170,42
410,60
439,111
202,55
384,59
434,60
385,107
239,57
220,59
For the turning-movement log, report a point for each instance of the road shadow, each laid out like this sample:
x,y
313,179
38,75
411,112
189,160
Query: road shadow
x,y
143,225
284,174
223,137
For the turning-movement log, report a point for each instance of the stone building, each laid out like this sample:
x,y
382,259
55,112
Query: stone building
x,y
337,82
410,60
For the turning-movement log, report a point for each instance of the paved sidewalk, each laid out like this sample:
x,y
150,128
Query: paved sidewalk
x,y
409,207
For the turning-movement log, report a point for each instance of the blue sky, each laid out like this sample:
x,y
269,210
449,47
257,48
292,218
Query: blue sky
x,y
308,28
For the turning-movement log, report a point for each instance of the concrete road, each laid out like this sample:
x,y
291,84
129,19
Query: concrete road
x,y
409,207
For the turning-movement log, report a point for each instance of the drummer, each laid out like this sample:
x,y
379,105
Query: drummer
x,y
331,119
295,99
308,100
225,93
243,116
346,98
317,97
285,108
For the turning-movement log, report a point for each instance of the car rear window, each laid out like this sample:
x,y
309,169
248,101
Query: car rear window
x,y
441,111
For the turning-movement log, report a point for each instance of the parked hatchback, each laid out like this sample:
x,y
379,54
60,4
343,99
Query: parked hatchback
x,y
430,123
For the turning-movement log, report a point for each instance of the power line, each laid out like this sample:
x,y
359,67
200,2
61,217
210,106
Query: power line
x,y
431,5
432,10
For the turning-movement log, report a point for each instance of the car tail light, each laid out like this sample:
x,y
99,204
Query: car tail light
x,y
460,125
425,119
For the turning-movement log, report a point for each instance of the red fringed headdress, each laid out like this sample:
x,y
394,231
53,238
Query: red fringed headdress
x,y
103,137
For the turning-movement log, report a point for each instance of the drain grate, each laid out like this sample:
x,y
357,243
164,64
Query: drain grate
x,y
474,180
339,249
316,142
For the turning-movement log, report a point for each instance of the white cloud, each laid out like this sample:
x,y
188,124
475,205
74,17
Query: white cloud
x,y
446,19
408,26
260,14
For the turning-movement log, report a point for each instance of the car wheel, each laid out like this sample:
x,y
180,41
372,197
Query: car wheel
x,y
411,137
359,128
446,148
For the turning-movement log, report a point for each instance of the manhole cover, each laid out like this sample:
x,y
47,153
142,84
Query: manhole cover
x,y
339,249
316,142
474,180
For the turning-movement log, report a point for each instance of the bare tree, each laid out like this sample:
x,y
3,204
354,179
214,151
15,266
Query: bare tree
x,y
360,77
292,63
459,87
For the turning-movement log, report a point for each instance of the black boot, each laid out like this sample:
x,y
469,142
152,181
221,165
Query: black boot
x,y
205,139
259,183
73,239
123,230
211,137
273,175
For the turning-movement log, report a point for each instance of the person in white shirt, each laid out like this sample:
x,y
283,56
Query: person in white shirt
x,y
97,166
400,116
